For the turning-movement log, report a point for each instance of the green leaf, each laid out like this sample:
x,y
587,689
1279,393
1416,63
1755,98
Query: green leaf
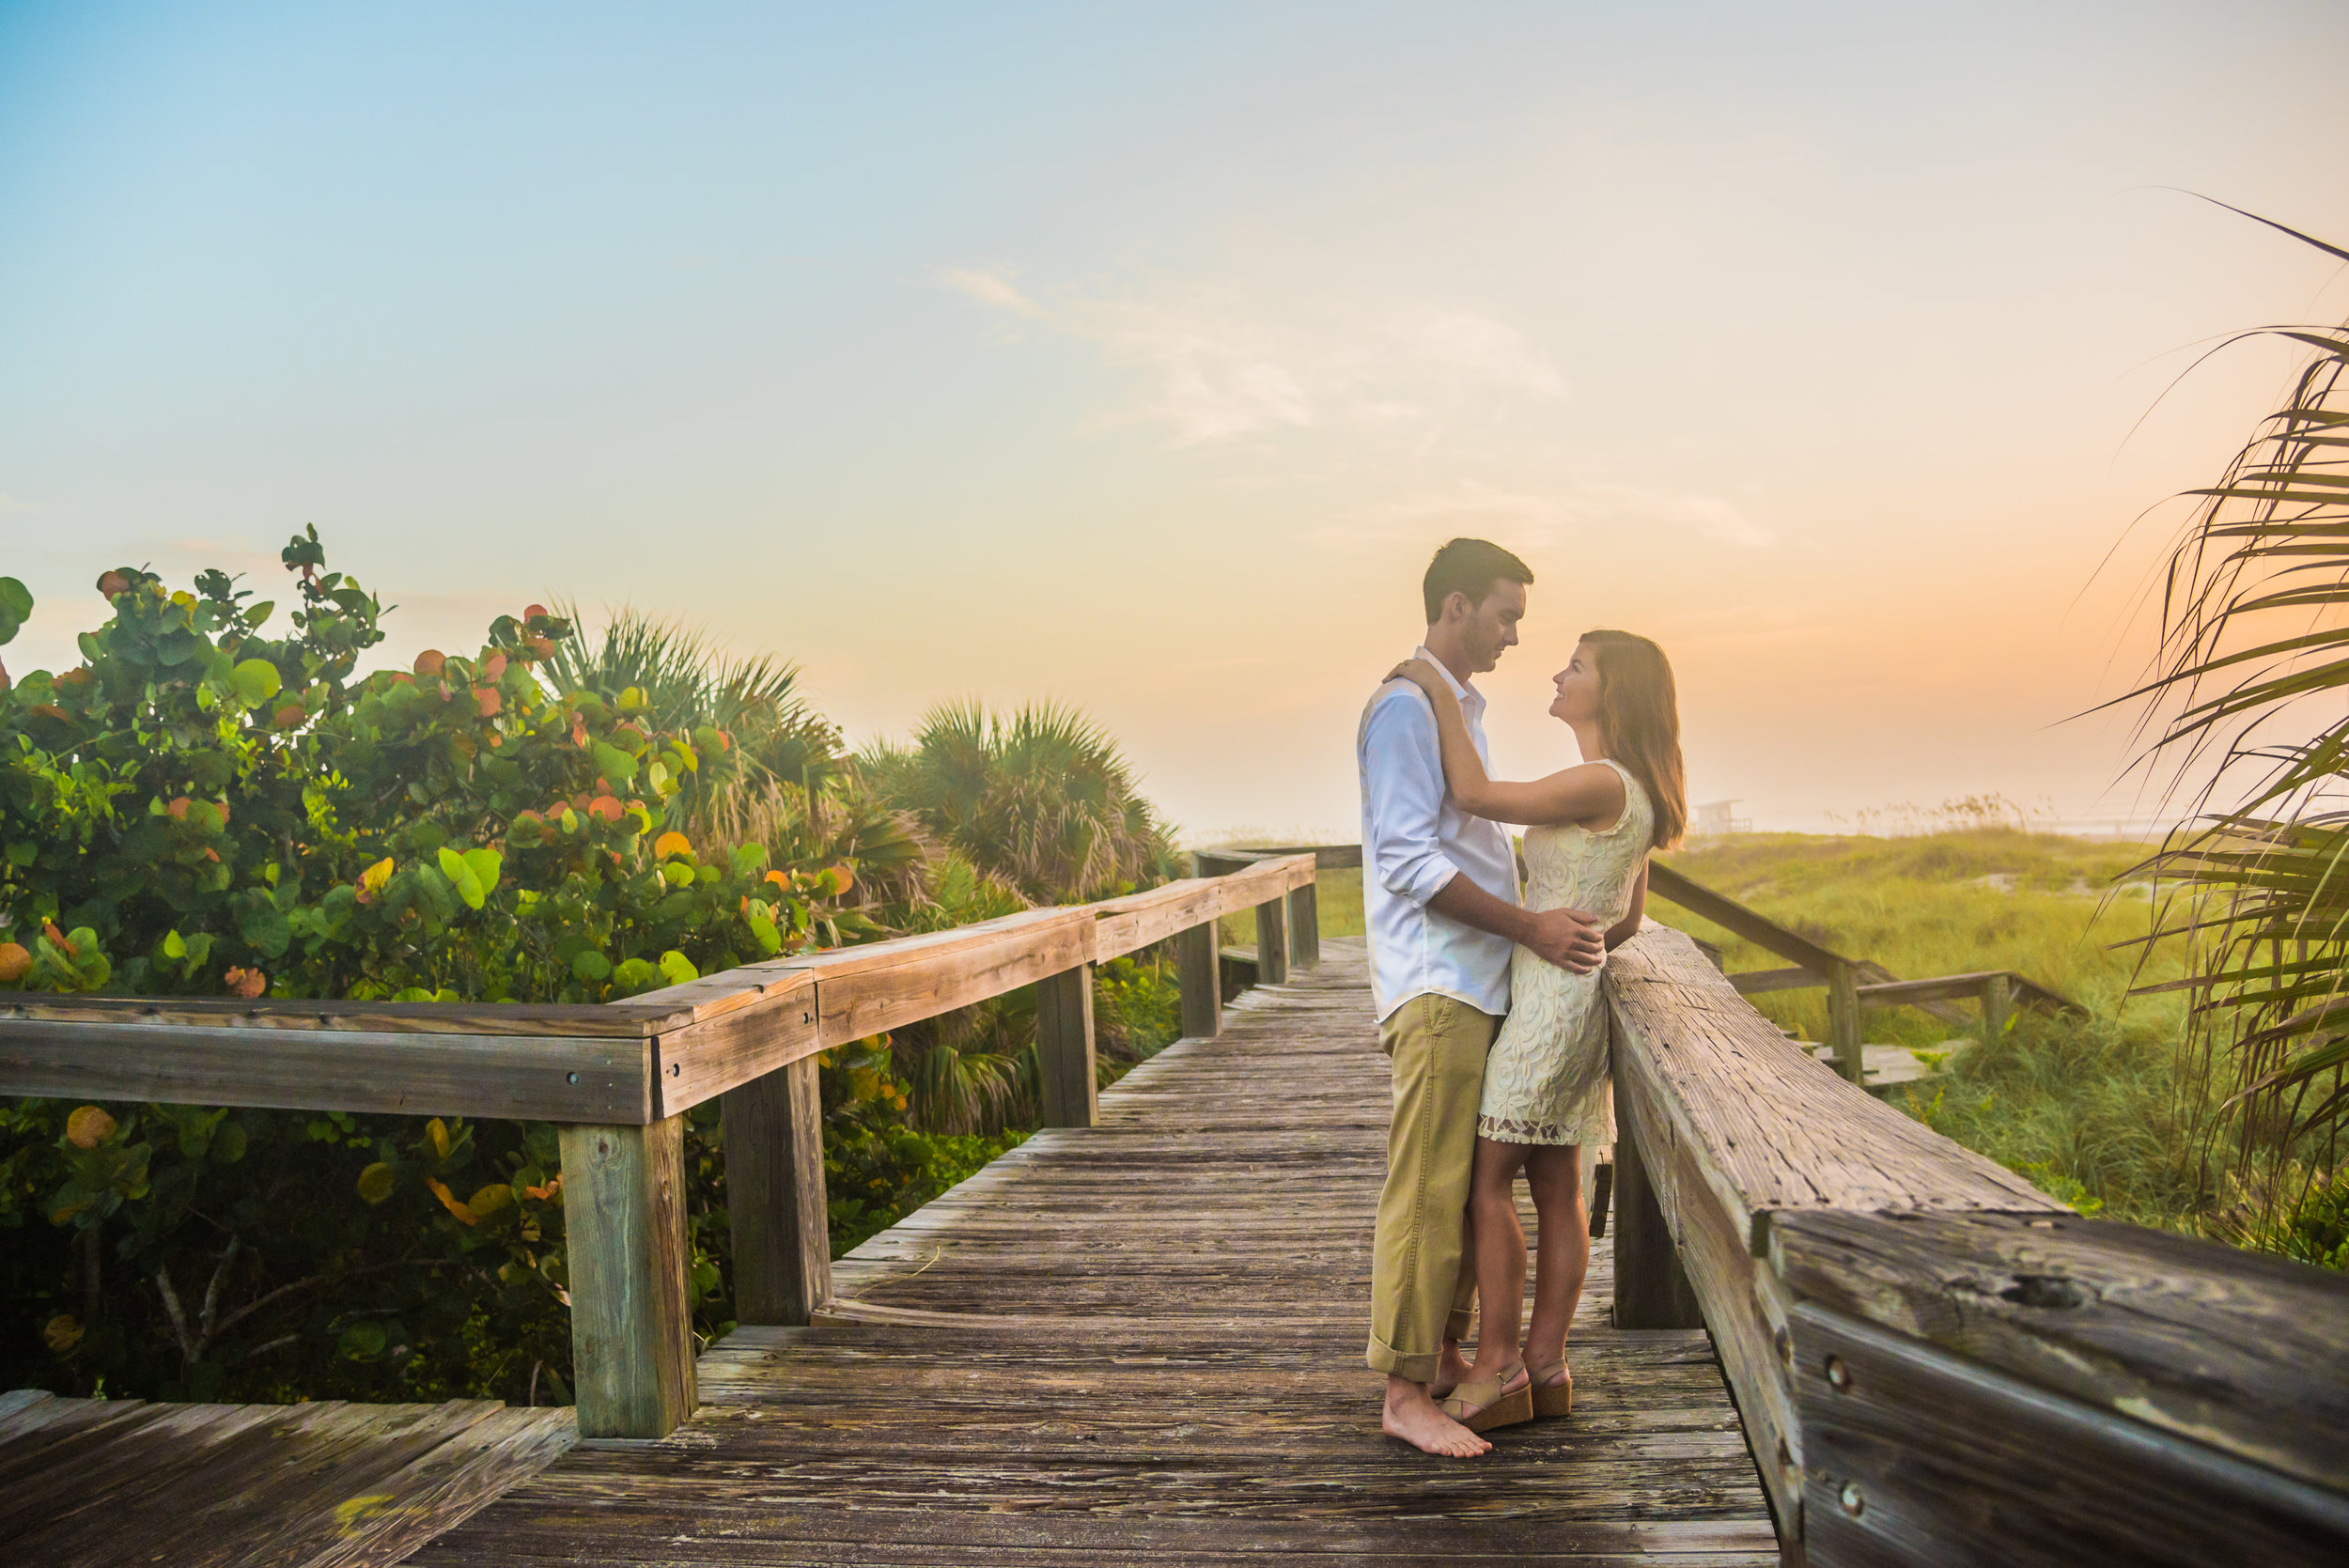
x,y
266,929
256,681
613,765
678,969
16,603
486,866
378,1182
461,877
363,1342
591,966
174,945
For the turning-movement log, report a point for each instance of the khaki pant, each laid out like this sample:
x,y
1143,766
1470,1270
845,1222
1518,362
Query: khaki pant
x,y
1423,1281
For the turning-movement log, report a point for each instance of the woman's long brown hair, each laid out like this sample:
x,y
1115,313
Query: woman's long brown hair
x,y
1639,715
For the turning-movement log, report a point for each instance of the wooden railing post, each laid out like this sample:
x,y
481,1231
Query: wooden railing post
x,y
1304,929
775,1199
1997,1004
623,1235
1844,1032
1272,942
1199,970
1068,1083
1652,1289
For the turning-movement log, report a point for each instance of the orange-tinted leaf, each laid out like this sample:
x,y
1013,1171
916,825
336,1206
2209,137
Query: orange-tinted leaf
x,y
14,962
448,1200
430,662
489,701
245,983
670,844
88,1126
605,807
842,878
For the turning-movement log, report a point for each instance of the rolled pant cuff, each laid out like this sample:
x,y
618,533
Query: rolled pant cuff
x,y
1456,1327
1395,1363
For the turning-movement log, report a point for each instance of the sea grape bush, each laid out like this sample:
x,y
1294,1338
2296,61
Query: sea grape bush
x,y
201,808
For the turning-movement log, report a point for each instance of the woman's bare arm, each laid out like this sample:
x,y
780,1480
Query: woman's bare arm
x,y
1591,793
1629,927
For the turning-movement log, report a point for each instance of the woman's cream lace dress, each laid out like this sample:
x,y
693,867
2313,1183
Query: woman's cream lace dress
x,y
1545,1081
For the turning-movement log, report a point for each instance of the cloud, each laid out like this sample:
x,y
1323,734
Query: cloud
x,y
987,288
1216,364
1542,518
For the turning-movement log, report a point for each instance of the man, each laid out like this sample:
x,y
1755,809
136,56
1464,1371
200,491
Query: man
x,y
1439,891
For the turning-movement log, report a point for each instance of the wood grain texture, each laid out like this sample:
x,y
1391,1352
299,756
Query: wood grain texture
x,y
1775,1131
1123,925
1921,1457
2244,1353
1199,973
516,1077
1755,982
1068,1079
864,992
1305,926
1272,942
1141,1342
1845,1037
318,1485
624,1225
761,1023
775,1198
1652,1290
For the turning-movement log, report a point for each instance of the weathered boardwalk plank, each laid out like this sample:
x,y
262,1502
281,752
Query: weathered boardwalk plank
x,y
1141,1342
91,1483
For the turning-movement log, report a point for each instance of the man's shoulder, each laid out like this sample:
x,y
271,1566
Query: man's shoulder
x,y
1397,719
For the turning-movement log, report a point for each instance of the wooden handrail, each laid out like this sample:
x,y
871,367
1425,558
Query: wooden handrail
x,y
1935,1362
617,1078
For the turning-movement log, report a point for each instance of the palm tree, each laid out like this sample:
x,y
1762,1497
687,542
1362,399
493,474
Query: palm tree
x,y
2253,628
1042,799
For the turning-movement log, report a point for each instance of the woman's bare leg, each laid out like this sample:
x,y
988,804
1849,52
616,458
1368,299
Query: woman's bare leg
x,y
1554,1172
1500,1254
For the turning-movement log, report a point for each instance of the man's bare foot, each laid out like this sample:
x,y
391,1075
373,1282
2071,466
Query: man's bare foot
x,y
1412,1415
1451,1369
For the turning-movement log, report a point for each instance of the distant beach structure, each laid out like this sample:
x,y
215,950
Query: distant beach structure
x,y
1715,818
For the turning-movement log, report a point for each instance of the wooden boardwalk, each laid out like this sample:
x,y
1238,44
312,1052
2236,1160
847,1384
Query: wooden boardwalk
x,y
1141,1342
106,1484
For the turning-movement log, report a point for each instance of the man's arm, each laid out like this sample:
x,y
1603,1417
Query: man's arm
x,y
1399,750
1568,938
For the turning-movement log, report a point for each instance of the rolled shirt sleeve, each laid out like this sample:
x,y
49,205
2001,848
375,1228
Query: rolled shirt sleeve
x,y
1405,764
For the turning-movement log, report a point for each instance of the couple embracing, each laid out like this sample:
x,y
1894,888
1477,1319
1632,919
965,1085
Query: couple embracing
x,y
1489,1008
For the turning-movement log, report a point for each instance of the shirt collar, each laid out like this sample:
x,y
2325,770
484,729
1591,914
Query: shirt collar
x,y
1470,698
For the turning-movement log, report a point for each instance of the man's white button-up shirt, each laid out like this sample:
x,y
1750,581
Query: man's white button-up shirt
x,y
1415,839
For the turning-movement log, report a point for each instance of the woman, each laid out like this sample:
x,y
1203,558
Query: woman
x,y
1545,1081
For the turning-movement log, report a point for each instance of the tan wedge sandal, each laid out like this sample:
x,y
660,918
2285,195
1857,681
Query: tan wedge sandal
x,y
1552,1399
1480,1405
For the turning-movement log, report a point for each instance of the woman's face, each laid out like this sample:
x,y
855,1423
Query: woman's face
x,y
1578,687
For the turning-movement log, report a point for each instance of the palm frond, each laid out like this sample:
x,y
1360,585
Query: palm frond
x,y
2255,627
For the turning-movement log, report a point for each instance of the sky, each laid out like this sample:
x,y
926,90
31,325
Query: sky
x,y
1138,356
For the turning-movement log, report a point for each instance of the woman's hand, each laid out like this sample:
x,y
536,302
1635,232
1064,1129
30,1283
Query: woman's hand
x,y
1422,674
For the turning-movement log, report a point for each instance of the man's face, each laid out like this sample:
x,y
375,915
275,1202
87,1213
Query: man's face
x,y
1492,624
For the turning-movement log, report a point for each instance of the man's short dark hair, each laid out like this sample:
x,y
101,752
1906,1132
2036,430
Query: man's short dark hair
x,y
1470,567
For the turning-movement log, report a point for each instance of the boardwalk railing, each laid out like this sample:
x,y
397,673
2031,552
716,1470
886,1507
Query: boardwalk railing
x,y
617,1080
1935,1362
